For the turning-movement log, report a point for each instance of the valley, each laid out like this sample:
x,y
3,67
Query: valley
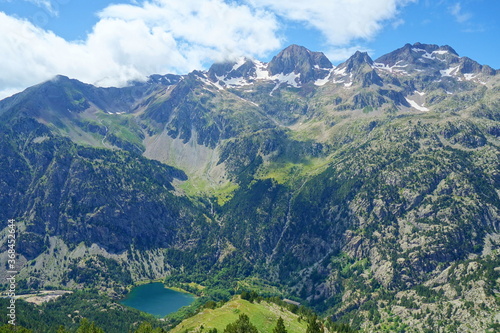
x,y
367,191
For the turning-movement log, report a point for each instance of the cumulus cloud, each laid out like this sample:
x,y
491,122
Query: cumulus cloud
x,y
224,28
31,55
340,21
130,42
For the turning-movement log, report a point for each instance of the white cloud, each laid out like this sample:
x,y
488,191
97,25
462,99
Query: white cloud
x,y
460,16
132,41
225,28
47,5
31,55
338,54
396,24
340,21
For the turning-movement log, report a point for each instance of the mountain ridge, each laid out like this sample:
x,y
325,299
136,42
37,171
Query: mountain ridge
x,y
290,59
368,190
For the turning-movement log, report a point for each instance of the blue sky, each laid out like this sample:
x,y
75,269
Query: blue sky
x,y
109,43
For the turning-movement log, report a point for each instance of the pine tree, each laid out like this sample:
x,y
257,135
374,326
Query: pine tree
x,y
8,328
280,326
144,328
314,326
88,327
62,329
242,325
147,328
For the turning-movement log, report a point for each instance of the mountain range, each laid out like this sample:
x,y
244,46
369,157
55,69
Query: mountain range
x,y
368,190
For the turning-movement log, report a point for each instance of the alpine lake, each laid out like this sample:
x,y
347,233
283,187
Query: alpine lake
x,y
156,299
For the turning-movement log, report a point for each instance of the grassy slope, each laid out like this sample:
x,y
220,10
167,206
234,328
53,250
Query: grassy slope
x,y
263,315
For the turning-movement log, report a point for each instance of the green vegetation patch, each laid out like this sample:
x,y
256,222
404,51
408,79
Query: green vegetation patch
x,y
263,315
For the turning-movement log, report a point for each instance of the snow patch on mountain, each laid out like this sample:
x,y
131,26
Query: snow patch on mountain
x,y
240,62
322,82
210,83
469,76
292,79
450,71
441,52
235,81
340,71
416,106
261,72
339,75
378,65
432,55
416,49
391,69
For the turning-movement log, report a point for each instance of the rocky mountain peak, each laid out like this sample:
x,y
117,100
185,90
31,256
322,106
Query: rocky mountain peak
x,y
420,55
297,59
432,48
431,60
469,66
356,61
168,79
241,68
358,69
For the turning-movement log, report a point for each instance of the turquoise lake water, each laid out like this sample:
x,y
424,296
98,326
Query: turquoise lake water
x,y
157,300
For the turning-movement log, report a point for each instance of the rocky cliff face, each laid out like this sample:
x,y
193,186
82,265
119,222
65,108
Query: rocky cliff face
x,y
310,66
369,190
